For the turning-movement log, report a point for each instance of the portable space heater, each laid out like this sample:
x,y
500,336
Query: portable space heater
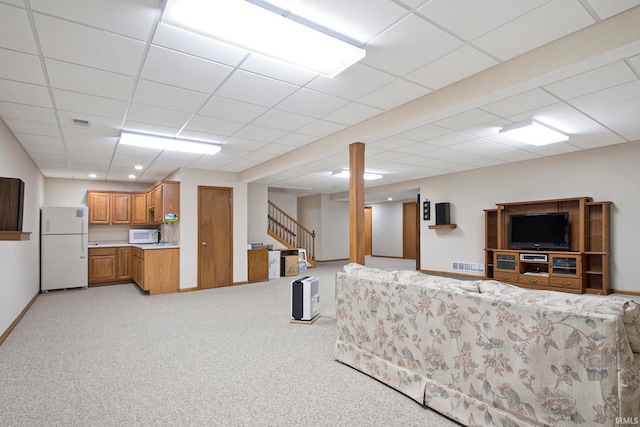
x,y
305,298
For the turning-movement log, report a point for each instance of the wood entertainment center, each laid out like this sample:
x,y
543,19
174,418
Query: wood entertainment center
x,y
584,267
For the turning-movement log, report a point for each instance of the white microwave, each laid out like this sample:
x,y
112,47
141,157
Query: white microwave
x,y
148,235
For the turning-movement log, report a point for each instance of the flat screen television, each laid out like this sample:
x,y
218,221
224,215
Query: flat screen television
x,y
543,231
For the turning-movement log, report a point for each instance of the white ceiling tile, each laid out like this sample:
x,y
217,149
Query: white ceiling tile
x,y
259,133
520,103
82,45
91,81
15,30
89,104
450,139
593,81
88,162
185,71
213,126
353,83
155,129
230,109
169,97
358,20
175,159
283,120
197,45
422,133
247,145
99,123
558,18
396,51
33,128
278,70
255,89
478,18
10,110
352,113
467,120
130,18
311,103
606,97
24,93
608,8
295,139
394,94
462,62
157,116
389,143
321,128
21,67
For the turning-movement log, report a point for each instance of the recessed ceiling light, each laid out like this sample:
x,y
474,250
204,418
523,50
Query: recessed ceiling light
x,y
132,176
344,173
93,175
166,143
533,132
389,198
251,27
138,167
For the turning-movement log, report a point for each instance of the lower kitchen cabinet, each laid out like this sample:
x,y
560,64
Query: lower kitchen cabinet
x,y
156,271
103,264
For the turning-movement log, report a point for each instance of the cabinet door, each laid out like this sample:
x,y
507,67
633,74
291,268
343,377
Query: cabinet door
x,y
124,263
99,208
121,208
138,208
158,213
102,268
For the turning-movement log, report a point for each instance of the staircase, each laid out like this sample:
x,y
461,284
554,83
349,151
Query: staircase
x,y
291,233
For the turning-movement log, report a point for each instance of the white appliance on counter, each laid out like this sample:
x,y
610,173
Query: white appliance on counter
x,y
144,235
63,248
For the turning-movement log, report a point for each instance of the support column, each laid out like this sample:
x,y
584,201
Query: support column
x,y
356,202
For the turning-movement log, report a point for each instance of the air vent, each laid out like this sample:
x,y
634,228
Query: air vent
x,y
81,123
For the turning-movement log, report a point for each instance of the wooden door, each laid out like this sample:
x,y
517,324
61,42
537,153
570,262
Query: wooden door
x,y
368,245
215,237
409,230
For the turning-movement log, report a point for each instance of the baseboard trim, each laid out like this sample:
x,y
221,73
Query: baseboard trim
x,y
632,293
453,274
18,319
332,260
189,289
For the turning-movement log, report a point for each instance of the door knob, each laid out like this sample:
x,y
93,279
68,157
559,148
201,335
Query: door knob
x,y
204,243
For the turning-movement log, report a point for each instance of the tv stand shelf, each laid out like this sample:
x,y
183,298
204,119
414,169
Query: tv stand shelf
x,y
583,268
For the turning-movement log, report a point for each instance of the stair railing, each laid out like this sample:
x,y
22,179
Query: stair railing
x,y
290,232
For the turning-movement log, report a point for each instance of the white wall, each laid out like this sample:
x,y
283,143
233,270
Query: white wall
x,y
20,260
606,174
288,202
190,179
386,229
330,220
257,212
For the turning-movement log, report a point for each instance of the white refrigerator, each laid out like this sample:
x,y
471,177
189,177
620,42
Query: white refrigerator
x,y
64,248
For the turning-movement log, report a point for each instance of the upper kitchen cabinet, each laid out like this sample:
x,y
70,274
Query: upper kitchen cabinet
x,y
107,207
163,202
139,208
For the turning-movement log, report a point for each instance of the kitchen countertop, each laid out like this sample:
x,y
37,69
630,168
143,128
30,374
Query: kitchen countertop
x,y
139,246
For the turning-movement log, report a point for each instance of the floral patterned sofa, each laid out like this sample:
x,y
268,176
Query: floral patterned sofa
x,y
487,353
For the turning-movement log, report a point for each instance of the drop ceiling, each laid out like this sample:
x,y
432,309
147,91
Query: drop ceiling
x,y
438,81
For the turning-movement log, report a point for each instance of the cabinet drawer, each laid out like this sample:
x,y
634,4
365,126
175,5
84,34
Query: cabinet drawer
x,y
506,277
533,279
564,283
101,251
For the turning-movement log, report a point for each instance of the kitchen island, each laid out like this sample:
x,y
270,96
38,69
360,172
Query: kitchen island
x,y
155,268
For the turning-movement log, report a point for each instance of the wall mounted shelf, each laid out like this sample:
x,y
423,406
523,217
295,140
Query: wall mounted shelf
x,y
443,227
15,235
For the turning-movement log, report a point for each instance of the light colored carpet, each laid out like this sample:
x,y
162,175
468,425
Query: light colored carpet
x,y
111,356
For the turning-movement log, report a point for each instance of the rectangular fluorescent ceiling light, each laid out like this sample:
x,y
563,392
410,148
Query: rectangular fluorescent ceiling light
x,y
166,143
369,176
533,132
248,26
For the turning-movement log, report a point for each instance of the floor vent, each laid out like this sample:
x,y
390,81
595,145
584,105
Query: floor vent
x,y
471,267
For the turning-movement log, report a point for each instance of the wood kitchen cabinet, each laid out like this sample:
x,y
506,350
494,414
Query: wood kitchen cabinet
x,y
103,264
163,198
109,265
138,208
156,271
107,207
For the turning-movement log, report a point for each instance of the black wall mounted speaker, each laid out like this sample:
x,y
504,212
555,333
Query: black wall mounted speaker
x,y
442,213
